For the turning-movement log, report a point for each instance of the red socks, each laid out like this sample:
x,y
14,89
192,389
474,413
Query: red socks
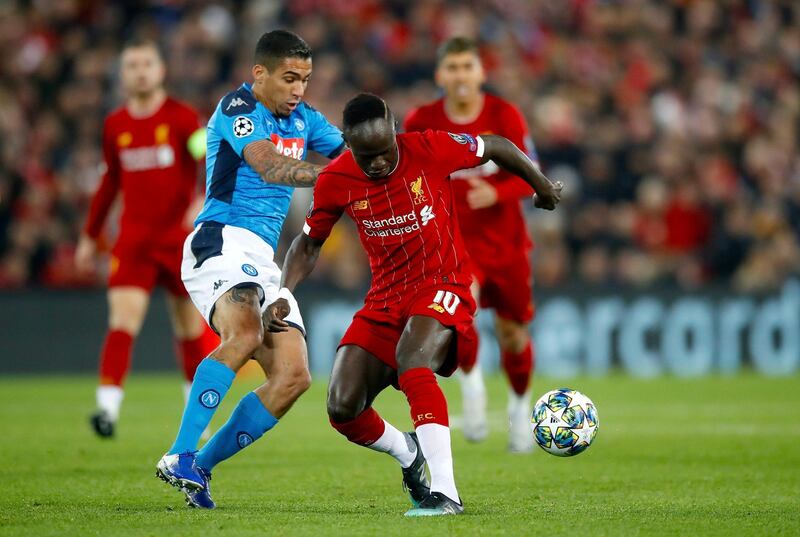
x,y
115,358
192,351
365,430
519,368
425,397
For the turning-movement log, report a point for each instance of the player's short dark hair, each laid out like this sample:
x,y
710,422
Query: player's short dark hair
x,y
456,45
142,42
274,46
362,108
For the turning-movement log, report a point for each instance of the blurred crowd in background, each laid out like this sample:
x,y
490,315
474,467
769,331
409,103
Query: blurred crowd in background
x,y
673,124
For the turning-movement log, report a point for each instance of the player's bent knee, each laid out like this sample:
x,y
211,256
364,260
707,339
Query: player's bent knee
x,y
513,337
247,340
341,410
294,383
345,402
301,382
516,345
243,331
239,345
125,321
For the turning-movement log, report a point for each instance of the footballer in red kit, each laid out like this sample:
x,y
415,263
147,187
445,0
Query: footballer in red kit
x,y
417,258
151,146
500,252
417,315
148,161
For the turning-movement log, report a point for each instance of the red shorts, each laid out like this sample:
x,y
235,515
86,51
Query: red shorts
x,y
378,331
148,267
508,289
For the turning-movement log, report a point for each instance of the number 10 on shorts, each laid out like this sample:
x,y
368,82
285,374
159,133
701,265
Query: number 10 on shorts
x,y
445,301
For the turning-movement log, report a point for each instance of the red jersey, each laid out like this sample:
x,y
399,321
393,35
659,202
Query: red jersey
x,y
487,245
406,221
148,160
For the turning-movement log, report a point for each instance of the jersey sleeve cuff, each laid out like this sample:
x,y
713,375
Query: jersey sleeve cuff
x,y
317,233
338,151
479,152
287,295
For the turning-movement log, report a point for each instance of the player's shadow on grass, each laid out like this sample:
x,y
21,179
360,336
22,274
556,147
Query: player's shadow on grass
x,y
276,508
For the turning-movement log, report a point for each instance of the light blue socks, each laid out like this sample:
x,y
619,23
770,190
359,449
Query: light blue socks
x,y
211,382
247,424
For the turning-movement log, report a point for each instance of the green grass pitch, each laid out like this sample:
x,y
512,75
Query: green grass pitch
x,y
716,456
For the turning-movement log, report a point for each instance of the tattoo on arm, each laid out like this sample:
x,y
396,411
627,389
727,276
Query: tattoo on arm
x,y
275,168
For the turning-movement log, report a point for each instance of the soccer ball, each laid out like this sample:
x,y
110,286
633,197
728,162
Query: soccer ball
x,y
564,422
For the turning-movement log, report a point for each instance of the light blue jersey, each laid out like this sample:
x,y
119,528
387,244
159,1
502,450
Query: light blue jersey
x,y
235,194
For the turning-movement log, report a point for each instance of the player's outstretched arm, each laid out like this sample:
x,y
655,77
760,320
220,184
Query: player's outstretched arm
x,y
300,261
275,168
508,156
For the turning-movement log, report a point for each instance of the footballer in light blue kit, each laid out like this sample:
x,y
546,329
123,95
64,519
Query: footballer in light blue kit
x,y
258,139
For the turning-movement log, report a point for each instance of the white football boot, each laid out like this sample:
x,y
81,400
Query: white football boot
x,y
473,397
520,435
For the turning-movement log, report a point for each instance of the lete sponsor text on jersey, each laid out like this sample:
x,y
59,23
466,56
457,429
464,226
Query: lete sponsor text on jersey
x,y
289,147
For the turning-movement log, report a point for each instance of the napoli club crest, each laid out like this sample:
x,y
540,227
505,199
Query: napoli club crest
x,y
249,269
210,398
244,440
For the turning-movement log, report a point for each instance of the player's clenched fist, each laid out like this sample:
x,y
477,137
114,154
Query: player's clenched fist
x,y
274,316
548,198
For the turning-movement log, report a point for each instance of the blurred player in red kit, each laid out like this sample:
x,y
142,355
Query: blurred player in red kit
x,y
417,316
500,252
150,147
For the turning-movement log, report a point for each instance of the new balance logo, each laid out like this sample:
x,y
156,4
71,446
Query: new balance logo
x,y
436,307
235,102
361,205
426,214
